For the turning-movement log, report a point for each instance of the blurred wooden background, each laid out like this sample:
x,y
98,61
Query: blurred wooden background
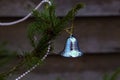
x,y
92,8
97,28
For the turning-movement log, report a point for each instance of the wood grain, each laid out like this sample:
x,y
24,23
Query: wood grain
x,y
92,7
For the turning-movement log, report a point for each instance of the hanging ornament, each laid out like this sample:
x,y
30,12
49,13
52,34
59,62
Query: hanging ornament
x,y
71,47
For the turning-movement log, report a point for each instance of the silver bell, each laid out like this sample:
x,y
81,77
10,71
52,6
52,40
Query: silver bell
x,y
71,48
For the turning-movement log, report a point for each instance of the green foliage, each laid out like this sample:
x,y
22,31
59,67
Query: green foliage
x,y
58,78
71,13
5,54
2,77
47,26
106,77
2,48
113,76
30,60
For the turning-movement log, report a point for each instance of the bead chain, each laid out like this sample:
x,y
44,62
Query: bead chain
x,y
26,17
31,69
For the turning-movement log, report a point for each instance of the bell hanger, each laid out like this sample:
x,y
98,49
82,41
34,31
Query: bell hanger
x,y
71,48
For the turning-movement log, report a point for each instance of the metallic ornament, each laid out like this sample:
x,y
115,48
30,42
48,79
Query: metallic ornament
x,y
71,48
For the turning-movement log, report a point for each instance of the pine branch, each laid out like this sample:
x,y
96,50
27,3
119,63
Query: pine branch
x,y
71,14
50,28
47,26
115,74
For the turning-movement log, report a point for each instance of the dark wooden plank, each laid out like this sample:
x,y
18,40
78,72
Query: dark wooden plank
x,y
92,8
94,34
87,67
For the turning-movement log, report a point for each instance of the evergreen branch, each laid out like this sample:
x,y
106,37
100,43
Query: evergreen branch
x,y
106,77
39,17
69,17
47,26
51,30
71,13
115,74
13,69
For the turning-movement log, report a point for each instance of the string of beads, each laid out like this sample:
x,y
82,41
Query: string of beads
x,y
31,69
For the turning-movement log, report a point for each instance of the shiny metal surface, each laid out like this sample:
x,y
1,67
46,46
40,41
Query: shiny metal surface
x,y
71,48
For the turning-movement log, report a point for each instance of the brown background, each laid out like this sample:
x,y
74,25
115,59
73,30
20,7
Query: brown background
x,y
92,7
97,28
